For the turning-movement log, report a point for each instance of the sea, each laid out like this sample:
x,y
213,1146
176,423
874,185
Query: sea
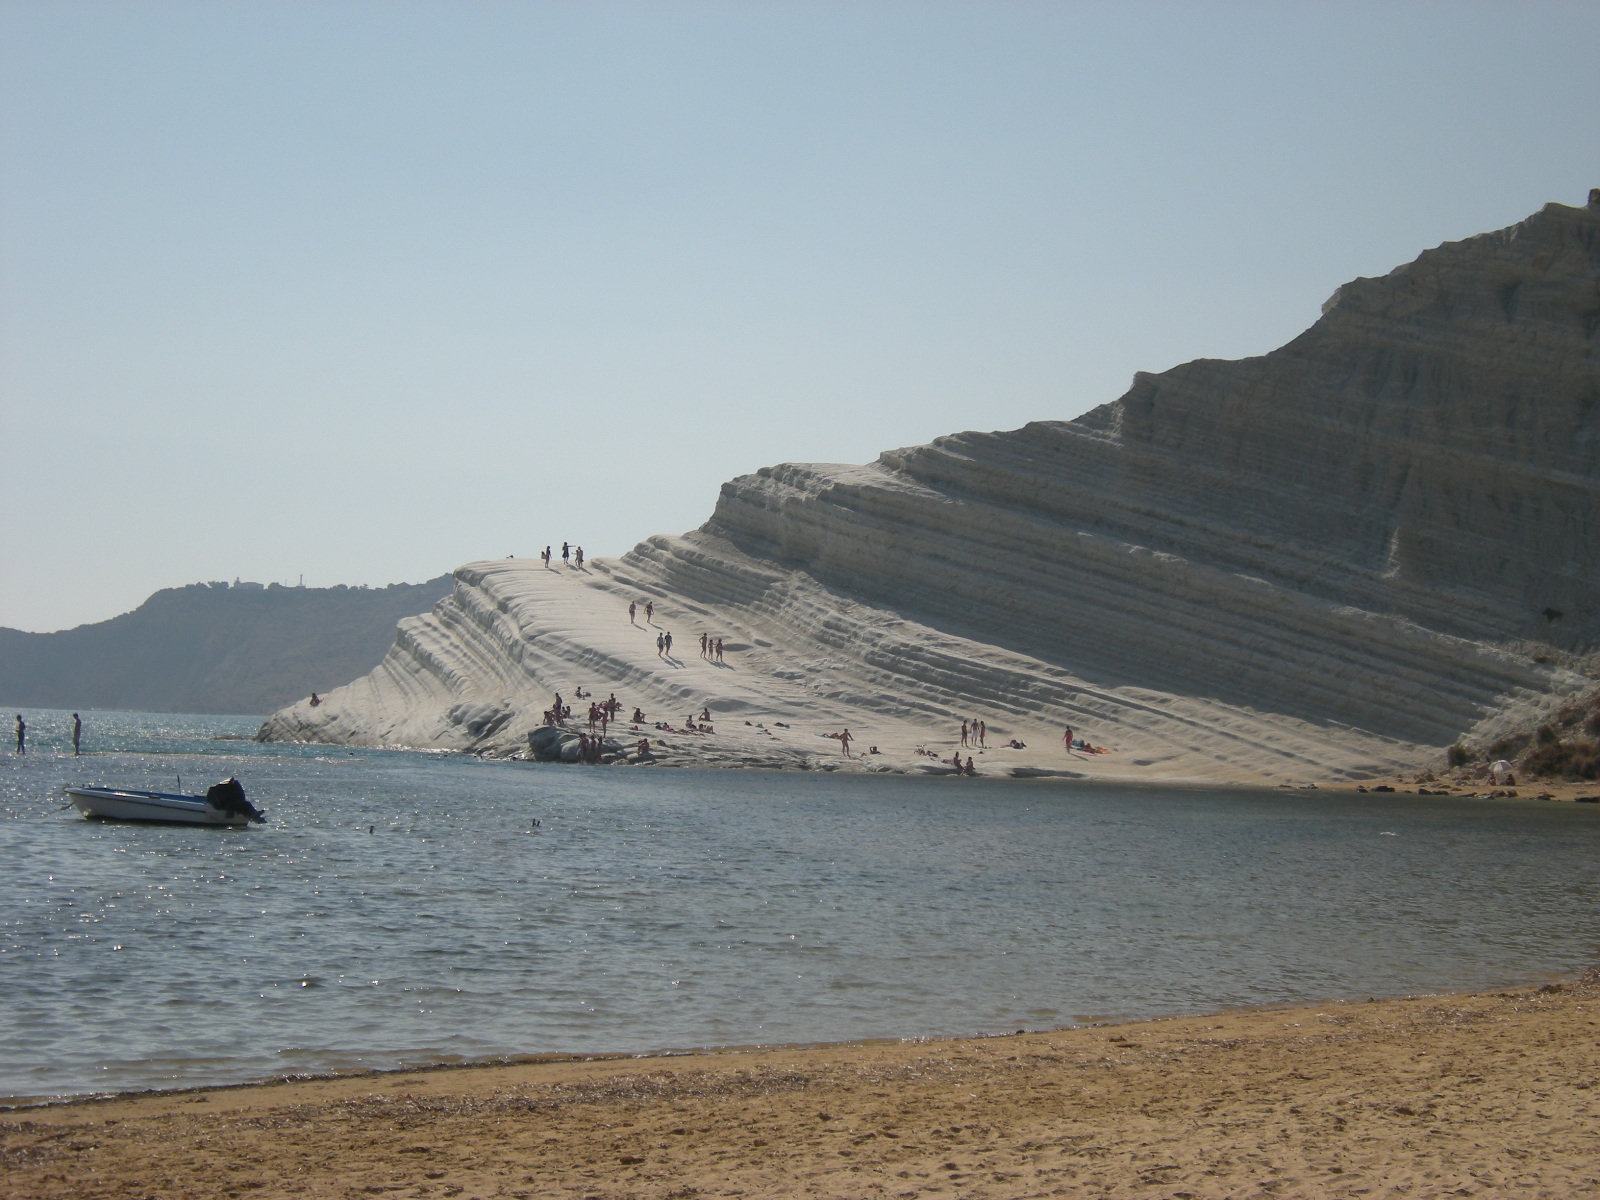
x,y
403,908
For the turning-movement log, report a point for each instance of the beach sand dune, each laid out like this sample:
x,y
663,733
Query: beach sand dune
x,y
1494,1094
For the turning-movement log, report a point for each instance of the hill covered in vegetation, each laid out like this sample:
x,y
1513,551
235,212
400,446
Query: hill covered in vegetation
x,y
213,648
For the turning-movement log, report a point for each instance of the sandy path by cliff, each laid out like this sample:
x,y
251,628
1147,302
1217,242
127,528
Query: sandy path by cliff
x,y
1481,1095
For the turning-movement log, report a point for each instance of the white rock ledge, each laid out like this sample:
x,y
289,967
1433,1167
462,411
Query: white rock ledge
x,y
1329,562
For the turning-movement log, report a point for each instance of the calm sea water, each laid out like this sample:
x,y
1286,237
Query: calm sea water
x,y
405,908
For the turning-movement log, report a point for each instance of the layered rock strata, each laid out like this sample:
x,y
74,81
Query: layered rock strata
x,y
1334,559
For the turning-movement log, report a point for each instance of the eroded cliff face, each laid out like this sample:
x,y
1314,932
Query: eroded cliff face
x,y
1347,553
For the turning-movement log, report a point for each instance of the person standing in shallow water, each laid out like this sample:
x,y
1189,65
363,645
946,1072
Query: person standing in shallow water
x,y
22,735
77,732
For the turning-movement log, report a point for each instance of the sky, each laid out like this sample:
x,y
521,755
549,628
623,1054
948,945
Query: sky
x,y
358,292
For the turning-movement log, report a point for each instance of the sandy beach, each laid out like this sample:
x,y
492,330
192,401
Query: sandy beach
x,y
1491,1094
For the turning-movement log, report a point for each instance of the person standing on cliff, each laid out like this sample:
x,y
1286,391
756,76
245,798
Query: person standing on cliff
x,y
566,555
77,733
1066,739
633,612
668,636
705,639
963,733
22,735
649,611
844,743
661,644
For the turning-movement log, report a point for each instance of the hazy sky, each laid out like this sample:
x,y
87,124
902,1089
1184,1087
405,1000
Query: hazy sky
x,y
362,291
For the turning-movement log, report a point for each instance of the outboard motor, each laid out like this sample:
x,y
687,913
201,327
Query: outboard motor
x,y
228,797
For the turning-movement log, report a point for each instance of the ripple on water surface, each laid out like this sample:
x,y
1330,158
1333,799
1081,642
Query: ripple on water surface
x,y
651,909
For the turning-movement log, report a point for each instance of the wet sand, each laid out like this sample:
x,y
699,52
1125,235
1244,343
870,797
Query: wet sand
x,y
1493,1094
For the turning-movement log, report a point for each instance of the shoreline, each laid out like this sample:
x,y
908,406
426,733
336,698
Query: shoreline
x,y
1485,1091
1458,782
1541,789
17,1103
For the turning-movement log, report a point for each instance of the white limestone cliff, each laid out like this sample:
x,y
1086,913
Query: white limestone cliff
x,y
1330,561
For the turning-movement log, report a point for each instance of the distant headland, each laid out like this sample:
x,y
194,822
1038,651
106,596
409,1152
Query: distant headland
x,y
212,648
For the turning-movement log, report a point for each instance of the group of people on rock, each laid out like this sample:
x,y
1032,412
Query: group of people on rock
x,y
691,724
558,712
591,748
571,556
601,715
974,733
1079,744
604,713
711,648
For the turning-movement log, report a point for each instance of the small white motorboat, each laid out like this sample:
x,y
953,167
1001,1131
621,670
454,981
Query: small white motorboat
x,y
223,804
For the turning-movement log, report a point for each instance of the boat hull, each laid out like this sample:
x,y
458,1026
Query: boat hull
x,y
119,804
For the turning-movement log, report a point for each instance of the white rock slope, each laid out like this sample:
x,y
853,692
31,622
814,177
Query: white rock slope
x,y
1333,560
